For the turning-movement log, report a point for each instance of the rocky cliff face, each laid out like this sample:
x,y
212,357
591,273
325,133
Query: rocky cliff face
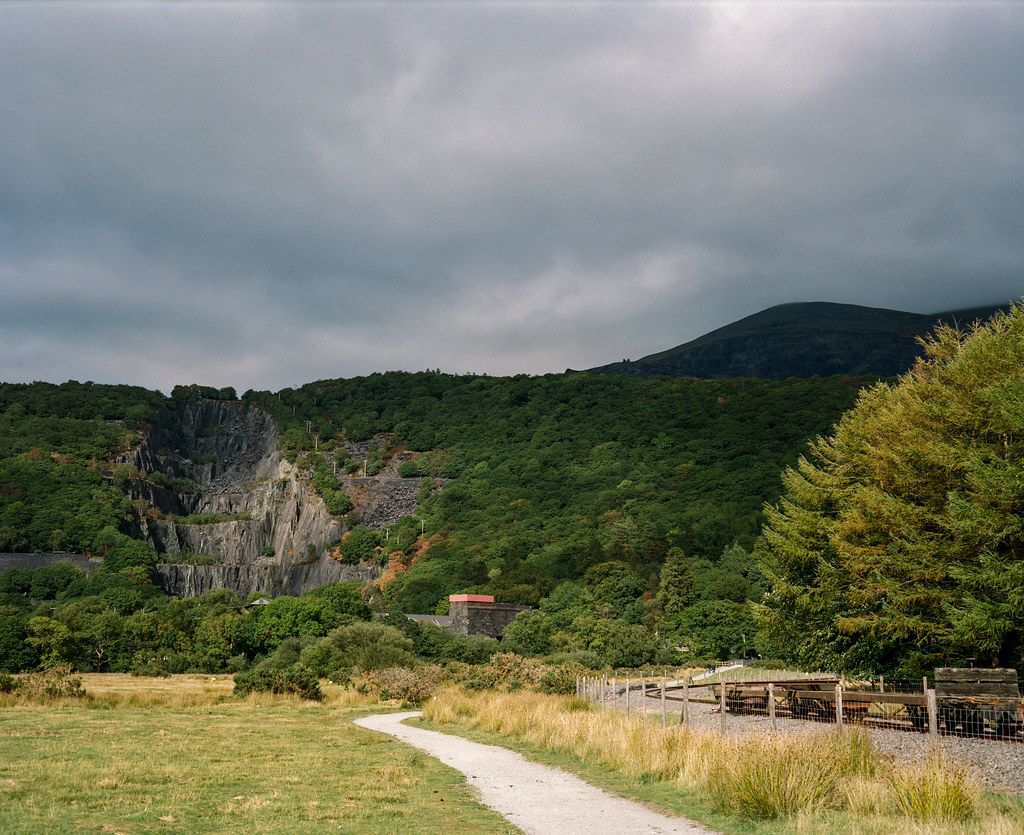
x,y
220,457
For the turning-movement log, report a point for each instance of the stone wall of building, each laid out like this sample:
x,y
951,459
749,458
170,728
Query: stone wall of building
x,y
476,617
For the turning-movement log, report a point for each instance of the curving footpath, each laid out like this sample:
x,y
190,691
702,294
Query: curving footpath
x,y
538,799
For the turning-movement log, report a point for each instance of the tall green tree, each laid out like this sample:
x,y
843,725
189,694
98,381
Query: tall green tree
x,y
899,541
675,585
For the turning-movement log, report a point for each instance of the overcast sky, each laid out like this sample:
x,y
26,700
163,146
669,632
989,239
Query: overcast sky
x,y
263,195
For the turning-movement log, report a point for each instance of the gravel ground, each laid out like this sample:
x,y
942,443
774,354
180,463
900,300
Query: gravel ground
x,y
538,799
999,765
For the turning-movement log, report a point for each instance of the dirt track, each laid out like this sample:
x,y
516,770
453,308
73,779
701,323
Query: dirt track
x,y
538,799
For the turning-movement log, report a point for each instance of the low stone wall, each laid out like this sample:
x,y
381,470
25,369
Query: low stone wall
x,y
270,579
10,562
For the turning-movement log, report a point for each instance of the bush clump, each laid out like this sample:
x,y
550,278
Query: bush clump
x,y
362,645
409,686
561,679
506,671
296,679
54,683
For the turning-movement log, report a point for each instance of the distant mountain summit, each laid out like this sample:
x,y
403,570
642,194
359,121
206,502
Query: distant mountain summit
x,y
801,340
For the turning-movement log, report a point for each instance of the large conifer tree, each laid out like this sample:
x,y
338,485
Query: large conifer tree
x,y
899,542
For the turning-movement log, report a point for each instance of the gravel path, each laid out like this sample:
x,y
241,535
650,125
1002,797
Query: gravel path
x,y
538,799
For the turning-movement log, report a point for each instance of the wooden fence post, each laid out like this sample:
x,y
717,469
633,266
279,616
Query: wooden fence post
x,y
684,714
933,716
839,705
664,716
771,705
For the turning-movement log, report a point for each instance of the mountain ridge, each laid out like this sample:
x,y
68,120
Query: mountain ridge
x,y
801,339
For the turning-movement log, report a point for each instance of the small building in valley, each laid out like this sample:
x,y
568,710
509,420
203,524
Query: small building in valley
x,y
478,614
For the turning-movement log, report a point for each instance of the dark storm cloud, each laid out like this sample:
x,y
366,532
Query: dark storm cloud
x,y
262,195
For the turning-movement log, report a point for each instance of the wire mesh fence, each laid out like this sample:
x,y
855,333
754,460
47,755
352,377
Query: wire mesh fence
x,y
936,708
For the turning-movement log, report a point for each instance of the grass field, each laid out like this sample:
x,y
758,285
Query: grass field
x,y
177,755
181,755
820,784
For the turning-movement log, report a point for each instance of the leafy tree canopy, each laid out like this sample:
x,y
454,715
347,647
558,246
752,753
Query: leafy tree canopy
x,y
899,541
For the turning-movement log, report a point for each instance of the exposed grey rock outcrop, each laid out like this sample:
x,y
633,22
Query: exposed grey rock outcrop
x,y
382,500
221,457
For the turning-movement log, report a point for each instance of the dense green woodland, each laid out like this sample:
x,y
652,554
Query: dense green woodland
x,y
552,475
644,519
573,493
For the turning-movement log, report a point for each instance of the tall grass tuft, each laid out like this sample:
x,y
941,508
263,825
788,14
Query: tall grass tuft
x,y
937,790
771,777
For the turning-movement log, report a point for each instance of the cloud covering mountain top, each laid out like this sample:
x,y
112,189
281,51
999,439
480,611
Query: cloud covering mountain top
x,y
260,195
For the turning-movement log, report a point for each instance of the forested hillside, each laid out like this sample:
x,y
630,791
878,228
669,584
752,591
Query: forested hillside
x,y
55,443
571,491
624,509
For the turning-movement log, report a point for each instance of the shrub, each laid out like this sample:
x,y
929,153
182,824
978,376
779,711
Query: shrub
x,y
402,684
237,663
505,671
287,654
337,502
55,683
366,645
408,469
508,667
296,679
561,679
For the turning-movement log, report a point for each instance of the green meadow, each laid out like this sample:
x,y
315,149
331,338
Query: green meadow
x,y
182,755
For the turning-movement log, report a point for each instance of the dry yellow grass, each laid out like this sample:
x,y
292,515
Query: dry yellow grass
x,y
819,783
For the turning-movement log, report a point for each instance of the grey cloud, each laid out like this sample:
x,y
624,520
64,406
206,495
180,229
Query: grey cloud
x,y
273,193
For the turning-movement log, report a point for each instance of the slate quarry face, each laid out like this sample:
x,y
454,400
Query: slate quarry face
x,y
228,451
